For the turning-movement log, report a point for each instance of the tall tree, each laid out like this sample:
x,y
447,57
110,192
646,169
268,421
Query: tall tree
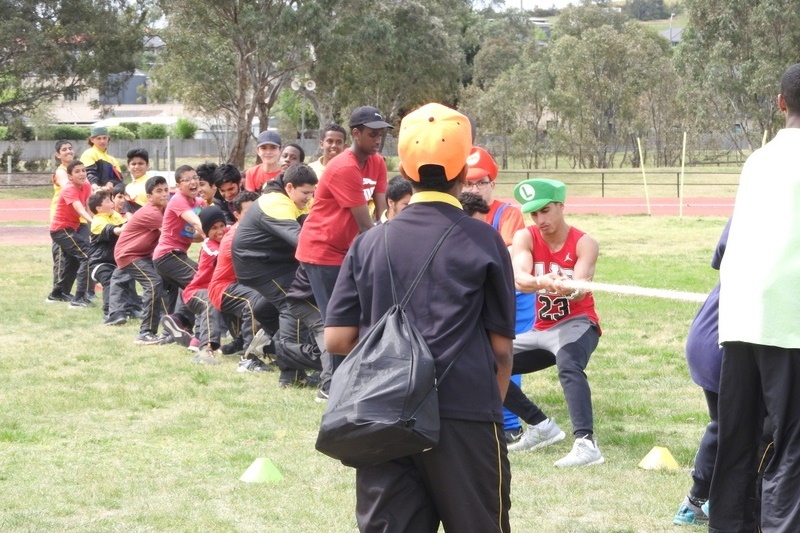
x,y
231,58
55,47
733,55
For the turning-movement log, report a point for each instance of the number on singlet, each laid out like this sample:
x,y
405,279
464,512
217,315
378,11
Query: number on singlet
x,y
552,307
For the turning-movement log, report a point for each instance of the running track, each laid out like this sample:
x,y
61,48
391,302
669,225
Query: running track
x,y
38,211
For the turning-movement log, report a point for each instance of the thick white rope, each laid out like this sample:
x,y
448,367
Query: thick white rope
x,y
635,291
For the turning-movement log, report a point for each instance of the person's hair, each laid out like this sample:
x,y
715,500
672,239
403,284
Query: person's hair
x,y
298,148
227,173
181,170
61,143
473,203
207,172
72,164
790,88
244,197
433,178
299,175
154,182
332,127
96,200
398,188
141,153
119,188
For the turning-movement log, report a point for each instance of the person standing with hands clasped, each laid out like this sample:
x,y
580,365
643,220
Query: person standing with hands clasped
x,y
464,307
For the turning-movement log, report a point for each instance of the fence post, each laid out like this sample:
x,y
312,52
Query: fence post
x,y
8,177
602,185
678,183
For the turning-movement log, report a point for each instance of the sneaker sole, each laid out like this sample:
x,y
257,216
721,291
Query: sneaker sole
x,y
599,461
179,336
694,522
558,438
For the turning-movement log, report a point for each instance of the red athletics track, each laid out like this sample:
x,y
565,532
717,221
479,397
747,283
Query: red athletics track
x,y
38,211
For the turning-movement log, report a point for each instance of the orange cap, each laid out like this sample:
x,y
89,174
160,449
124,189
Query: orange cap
x,y
481,165
434,134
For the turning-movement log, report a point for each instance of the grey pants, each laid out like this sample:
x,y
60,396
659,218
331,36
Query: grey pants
x,y
567,345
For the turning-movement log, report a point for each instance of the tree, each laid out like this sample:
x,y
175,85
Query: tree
x,y
597,61
646,9
393,55
230,59
733,55
56,47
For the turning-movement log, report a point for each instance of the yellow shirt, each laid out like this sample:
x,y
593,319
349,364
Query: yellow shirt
x,y
101,220
136,191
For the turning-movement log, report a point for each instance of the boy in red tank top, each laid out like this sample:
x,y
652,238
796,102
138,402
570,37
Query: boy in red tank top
x,y
566,328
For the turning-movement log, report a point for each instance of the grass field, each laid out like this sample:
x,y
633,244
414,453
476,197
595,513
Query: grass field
x,y
99,435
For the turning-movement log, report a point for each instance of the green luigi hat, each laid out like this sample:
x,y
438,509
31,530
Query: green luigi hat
x,y
536,193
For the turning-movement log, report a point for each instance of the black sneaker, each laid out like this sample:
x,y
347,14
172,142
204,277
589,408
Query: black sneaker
x,y
115,320
78,303
322,396
179,335
146,339
513,435
295,378
254,364
235,347
53,298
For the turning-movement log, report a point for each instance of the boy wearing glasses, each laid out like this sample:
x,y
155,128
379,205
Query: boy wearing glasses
x,y
480,180
180,228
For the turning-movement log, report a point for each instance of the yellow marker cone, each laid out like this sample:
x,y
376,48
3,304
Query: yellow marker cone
x,y
659,458
262,471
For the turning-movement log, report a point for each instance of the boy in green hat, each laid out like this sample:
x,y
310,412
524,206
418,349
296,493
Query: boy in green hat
x,y
566,330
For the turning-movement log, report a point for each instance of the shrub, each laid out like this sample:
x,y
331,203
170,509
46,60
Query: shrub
x,y
14,153
37,165
152,131
132,126
184,129
71,133
120,133
3,133
19,131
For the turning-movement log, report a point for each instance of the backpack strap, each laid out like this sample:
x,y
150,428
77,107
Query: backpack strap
x,y
425,266
497,215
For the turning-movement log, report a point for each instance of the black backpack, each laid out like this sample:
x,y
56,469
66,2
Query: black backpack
x,y
383,403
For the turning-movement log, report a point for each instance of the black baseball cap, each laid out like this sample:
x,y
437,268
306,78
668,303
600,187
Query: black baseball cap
x,y
368,116
269,137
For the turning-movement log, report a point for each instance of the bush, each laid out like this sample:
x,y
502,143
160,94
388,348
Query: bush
x,y
37,165
19,131
184,129
132,126
120,133
14,153
71,133
3,133
152,131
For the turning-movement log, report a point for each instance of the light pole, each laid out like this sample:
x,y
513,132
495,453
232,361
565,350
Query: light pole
x,y
305,85
670,29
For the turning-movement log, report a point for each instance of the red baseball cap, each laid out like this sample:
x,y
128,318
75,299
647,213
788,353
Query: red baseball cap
x,y
481,165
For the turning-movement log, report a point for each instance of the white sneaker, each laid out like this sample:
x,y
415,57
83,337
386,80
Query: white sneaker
x,y
584,452
542,434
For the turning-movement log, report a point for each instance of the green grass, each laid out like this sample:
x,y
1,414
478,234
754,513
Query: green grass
x,y
97,434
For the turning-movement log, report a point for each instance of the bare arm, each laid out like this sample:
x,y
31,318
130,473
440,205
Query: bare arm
x,y
361,215
192,218
504,357
341,340
522,261
380,204
78,207
62,178
587,251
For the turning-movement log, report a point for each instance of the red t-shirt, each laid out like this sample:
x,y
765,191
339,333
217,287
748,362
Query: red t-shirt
x,y
330,227
209,251
255,177
65,216
224,274
551,308
176,233
139,236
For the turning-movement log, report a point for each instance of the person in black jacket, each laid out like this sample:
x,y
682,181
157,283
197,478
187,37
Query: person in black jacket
x,y
118,285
